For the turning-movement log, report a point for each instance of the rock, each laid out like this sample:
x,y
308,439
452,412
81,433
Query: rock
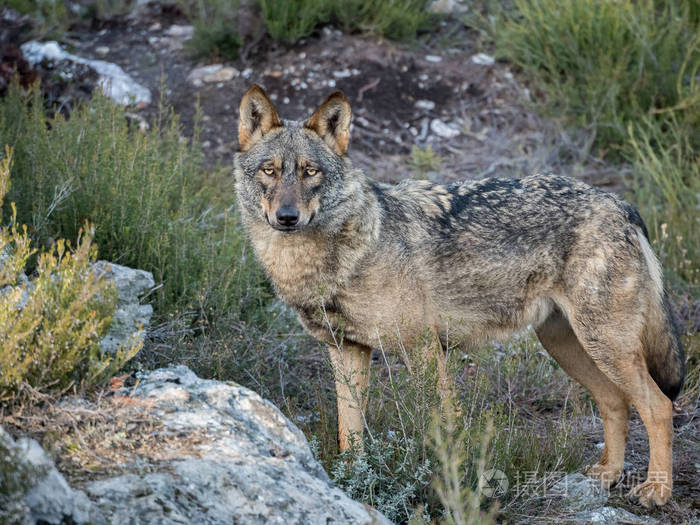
x,y
443,130
131,317
579,492
343,73
43,494
254,467
483,59
102,50
112,79
196,76
428,105
222,75
433,58
446,7
182,32
610,516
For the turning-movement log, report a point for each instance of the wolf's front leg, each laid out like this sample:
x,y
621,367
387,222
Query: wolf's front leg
x,y
351,369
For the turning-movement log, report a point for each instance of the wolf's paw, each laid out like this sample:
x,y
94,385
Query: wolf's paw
x,y
651,493
604,473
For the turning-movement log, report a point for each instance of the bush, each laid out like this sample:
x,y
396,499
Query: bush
x,y
395,19
215,30
290,21
51,327
293,20
606,63
154,205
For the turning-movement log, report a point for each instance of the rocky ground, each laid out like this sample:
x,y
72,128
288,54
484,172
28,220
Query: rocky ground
x,y
442,93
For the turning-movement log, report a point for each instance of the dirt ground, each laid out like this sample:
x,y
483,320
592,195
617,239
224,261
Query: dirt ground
x,y
397,92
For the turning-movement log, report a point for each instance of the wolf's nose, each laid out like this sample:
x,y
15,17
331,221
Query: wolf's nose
x,y
287,216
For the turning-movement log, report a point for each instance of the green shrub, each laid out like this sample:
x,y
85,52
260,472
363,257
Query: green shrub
x,y
154,205
215,32
293,20
605,63
290,21
666,187
51,327
395,19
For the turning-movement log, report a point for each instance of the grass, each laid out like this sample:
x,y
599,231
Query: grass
x,y
51,326
290,21
215,33
154,205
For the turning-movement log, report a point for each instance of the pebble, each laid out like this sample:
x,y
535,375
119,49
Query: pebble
x,y
344,73
247,72
197,75
222,75
443,130
433,58
427,105
102,50
177,31
483,59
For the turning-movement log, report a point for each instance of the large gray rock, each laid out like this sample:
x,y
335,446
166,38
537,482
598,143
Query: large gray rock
x,y
112,79
40,494
254,467
130,317
249,465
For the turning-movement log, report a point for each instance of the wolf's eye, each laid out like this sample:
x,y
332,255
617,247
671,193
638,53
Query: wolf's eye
x,y
310,172
268,171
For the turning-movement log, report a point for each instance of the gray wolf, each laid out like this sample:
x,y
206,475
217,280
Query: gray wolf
x,y
482,259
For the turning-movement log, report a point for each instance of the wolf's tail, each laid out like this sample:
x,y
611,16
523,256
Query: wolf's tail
x,y
661,340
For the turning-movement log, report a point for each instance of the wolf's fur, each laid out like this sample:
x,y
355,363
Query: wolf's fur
x,y
482,259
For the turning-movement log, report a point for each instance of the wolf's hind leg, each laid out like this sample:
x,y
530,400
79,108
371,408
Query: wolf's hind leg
x,y
351,370
559,340
620,356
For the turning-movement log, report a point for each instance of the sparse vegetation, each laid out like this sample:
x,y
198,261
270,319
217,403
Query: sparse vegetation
x,y
215,32
50,328
424,162
152,203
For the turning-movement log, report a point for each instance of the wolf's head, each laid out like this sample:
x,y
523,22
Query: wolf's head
x,y
293,174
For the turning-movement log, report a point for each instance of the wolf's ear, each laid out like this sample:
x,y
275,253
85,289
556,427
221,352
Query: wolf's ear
x,y
257,116
332,122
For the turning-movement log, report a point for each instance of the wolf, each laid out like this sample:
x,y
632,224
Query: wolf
x,y
379,264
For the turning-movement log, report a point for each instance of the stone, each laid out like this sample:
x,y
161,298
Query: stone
x,y
578,492
112,79
46,497
222,75
433,58
427,105
130,317
102,50
196,76
447,7
610,516
483,59
443,130
254,467
182,32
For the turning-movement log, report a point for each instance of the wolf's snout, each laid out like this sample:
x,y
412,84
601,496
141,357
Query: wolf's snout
x,y
287,216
